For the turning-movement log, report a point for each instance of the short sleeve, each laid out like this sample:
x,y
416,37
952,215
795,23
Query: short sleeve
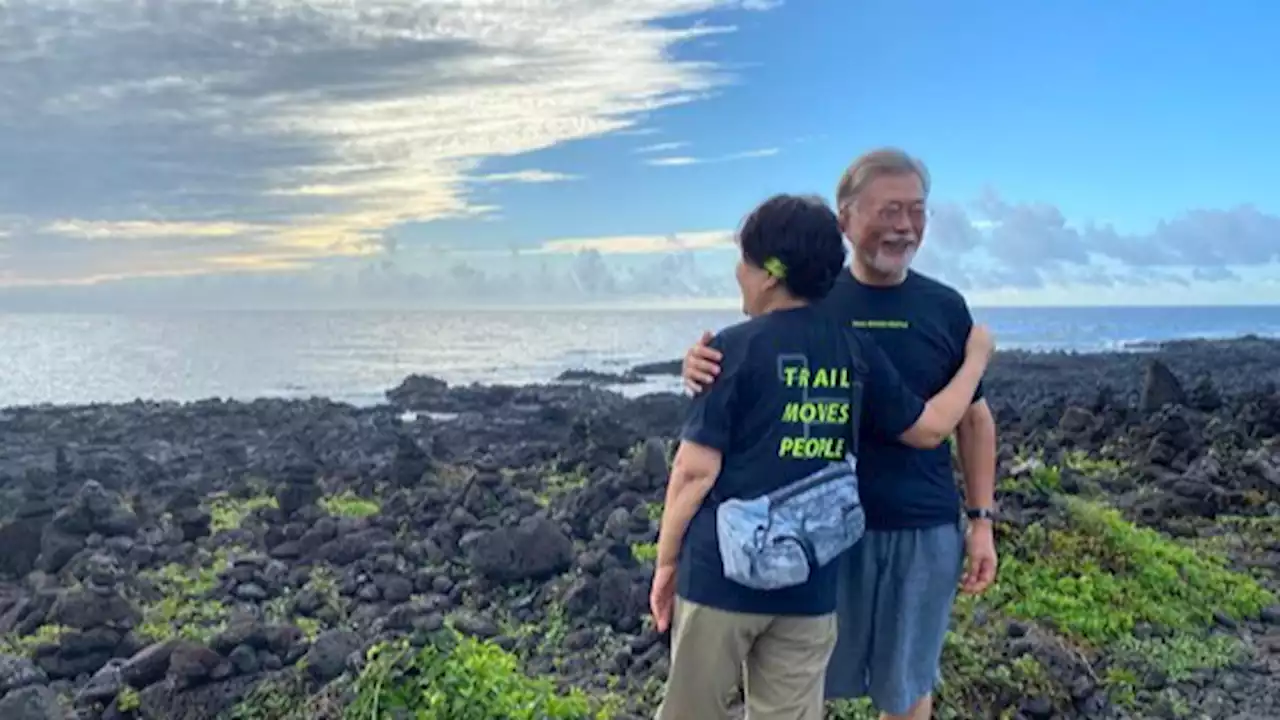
x,y
709,418
889,407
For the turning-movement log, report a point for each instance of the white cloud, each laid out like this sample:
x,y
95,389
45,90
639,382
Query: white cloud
x,y
681,160
301,128
761,153
528,176
146,230
639,244
662,147
674,161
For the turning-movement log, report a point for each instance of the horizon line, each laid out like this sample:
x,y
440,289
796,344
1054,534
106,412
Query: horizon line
x,y
650,305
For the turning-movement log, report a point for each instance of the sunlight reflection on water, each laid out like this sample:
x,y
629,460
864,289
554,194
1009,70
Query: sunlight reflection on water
x,y
356,356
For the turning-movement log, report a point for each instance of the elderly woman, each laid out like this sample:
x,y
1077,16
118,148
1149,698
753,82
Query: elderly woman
x,y
763,491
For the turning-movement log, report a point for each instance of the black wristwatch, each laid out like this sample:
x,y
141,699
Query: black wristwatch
x,y
980,513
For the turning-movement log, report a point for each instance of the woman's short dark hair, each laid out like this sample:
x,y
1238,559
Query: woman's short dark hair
x,y
797,238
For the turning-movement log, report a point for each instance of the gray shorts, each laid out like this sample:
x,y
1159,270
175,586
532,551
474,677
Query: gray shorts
x,y
896,592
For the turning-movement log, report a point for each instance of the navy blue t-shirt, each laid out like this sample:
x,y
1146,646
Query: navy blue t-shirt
x,y
922,326
780,410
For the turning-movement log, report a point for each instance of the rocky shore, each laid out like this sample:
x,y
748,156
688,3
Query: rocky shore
x,y
485,551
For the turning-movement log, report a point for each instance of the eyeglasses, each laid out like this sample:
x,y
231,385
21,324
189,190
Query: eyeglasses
x,y
894,211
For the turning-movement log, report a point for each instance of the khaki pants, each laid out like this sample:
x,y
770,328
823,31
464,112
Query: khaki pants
x,y
783,659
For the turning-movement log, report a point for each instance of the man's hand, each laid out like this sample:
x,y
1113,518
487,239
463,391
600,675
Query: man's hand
x,y
981,546
701,365
662,596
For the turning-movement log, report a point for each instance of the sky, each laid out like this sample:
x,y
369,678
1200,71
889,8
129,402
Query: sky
x,y
332,151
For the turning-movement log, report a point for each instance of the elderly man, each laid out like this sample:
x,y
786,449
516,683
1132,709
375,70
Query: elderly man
x,y
898,584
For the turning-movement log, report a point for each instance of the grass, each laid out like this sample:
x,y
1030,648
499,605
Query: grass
x,y
348,504
1082,462
1095,589
1099,576
1241,533
287,696
26,645
185,609
227,512
559,484
459,678
333,607
128,700
644,553
1124,598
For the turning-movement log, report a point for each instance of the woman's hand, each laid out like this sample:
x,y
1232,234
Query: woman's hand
x,y
662,596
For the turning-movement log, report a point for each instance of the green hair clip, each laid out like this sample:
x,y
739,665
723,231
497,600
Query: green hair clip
x,y
774,267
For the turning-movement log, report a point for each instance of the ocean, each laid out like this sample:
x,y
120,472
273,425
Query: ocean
x,y
354,356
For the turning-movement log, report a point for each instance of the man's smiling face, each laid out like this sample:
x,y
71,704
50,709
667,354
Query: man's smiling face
x,y
886,223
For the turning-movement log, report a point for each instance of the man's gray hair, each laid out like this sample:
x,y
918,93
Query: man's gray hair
x,y
877,163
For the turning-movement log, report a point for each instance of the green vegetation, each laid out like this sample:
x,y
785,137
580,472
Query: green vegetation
x,y
227,512
287,696
970,677
1089,580
26,645
1239,533
348,504
1042,481
1100,576
644,553
332,610
1082,462
556,485
1096,590
542,636
185,608
458,678
128,700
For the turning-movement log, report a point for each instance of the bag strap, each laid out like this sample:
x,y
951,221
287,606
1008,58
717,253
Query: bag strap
x,y
856,386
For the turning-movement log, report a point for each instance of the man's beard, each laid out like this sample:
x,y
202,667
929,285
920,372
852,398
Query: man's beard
x,y
892,264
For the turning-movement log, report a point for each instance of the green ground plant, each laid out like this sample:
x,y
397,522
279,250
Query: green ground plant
x,y
26,645
557,484
128,700
348,504
1087,579
644,553
1092,578
333,609
458,678
1083,462
227,512
287,696
185,609
1041,481
975,671
1098,576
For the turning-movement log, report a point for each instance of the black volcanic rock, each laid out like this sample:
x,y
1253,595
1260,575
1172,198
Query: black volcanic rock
x,y
521,516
